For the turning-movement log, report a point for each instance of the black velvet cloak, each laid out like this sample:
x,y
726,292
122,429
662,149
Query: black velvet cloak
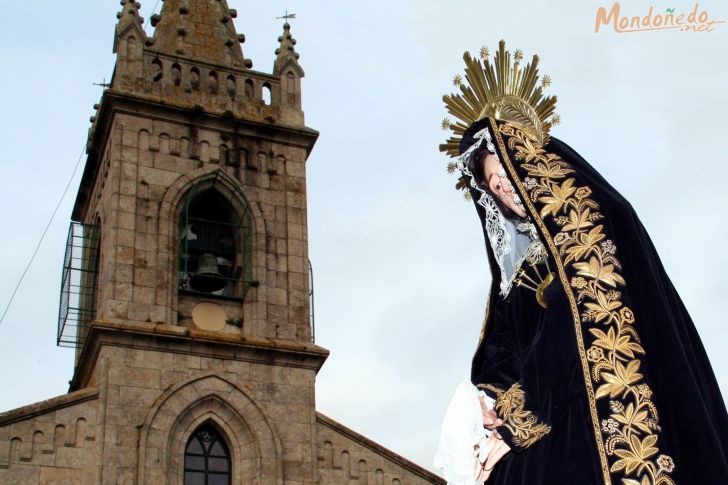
x,y
610,384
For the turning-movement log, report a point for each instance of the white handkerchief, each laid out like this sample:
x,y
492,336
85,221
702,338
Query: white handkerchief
x,y
462,430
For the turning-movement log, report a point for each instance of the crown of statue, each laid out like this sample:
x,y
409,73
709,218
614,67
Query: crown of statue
x,y
501,90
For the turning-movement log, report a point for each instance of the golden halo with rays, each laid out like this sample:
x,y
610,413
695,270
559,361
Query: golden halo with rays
x,y
502,90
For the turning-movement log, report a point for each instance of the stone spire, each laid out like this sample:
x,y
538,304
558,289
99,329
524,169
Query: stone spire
x,y
200,30
286,53
129,19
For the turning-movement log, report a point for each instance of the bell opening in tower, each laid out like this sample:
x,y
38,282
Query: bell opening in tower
x,y
214,246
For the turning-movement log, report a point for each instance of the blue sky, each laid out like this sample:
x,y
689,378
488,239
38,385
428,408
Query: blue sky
x,y
401,274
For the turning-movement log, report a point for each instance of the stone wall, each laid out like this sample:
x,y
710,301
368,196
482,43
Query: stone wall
x,y
51,442
348,458
157,399
133,427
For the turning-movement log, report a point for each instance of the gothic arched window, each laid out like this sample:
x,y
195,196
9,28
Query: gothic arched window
x,y
215,244
207,458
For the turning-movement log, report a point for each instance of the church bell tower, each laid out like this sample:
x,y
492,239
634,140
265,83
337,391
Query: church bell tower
x,y
190,229
194,191
185,287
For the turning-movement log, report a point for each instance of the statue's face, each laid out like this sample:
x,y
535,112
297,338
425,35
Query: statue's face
x,y
500,185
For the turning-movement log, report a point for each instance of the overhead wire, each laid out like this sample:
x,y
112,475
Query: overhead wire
x,y
146,24
53,215
42,237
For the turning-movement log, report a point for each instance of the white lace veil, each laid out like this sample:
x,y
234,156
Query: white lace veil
x,y
512,240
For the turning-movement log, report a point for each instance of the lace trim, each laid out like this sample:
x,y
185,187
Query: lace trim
x,y
495,221
534,253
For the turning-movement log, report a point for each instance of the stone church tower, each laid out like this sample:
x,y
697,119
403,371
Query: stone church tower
x,y
186,283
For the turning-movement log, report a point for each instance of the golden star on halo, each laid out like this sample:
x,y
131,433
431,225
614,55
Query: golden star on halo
x,y
446,123
484,53
451,167
545,81
555,119
501,88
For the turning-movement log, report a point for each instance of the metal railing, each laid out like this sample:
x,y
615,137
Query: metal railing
x,y
78,284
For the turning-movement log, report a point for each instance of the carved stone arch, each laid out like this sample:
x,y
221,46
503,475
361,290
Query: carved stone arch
x,y
169,210
249,88
291,74
184,147
132,50
165,143
213,83
245,452
363,472
195,79
59,437
346,463
251,437
204,151
328,454
177,74
16,450
291,66
157,70
270,98
143,140
131,34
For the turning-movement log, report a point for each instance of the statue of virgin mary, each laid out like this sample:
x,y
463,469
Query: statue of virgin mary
x,y
587,358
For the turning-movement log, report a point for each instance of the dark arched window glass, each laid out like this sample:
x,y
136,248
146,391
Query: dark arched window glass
x,y
207,458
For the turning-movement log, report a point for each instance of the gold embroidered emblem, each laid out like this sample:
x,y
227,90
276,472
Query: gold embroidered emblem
x,y
536,283
629,435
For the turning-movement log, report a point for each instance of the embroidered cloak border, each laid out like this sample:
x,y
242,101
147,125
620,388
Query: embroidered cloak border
x,y
627,429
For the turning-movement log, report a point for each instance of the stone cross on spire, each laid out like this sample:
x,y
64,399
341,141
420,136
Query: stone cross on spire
x,y
201,30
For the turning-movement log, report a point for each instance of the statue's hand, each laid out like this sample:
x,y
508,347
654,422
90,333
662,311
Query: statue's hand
x,y
495,448
490,418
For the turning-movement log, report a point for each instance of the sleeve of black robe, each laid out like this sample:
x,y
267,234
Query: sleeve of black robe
x,y
519,336
508,362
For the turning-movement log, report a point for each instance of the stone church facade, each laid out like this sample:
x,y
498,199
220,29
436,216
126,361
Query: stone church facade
x,y
186,284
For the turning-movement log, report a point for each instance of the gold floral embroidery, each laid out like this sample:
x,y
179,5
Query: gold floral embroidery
x,y
490,387
521,423
630,433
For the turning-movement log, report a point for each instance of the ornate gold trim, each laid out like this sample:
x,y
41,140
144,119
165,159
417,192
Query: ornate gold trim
x,y
490,387
572,302
584,246
524,425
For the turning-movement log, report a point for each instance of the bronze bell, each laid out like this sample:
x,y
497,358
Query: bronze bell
x,y
208,277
